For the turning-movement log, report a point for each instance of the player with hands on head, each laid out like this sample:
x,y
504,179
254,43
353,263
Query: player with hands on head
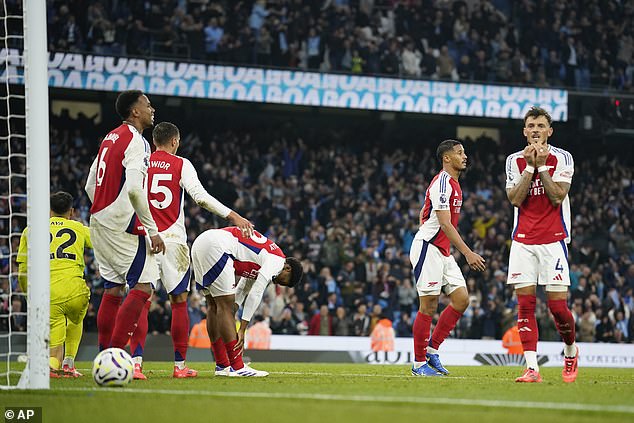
x,y
435,269
537,182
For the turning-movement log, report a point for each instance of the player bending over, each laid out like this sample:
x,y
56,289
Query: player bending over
x,y
218,257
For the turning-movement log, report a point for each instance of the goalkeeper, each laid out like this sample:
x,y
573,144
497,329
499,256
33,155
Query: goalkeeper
x,y
69,293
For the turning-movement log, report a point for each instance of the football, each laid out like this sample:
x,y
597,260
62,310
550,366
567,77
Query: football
x,y
112,367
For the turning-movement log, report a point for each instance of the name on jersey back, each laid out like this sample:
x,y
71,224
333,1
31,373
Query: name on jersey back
x,y
113,136
160,164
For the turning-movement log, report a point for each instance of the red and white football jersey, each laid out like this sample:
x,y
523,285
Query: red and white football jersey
x,y
443,193
169,176
537,221
123,148
255,256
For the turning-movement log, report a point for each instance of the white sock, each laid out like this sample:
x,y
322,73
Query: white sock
x,y
431,350
418,364
570,351
531,360
69,361
138,360
180,364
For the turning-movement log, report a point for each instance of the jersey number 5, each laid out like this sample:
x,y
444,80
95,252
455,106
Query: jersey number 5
x,y
156,188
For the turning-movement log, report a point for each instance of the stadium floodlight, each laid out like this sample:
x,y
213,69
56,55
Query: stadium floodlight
x,y
24,193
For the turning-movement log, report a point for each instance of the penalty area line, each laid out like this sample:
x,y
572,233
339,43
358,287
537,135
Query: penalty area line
x,y
372,399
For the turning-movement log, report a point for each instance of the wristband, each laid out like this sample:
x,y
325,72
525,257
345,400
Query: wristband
x,y
529,169
542,169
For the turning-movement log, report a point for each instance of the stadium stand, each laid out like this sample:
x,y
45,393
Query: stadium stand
x,y
582,44
348,205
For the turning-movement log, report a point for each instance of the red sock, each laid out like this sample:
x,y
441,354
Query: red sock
x,y
137,341
422,325
128,317
447,321
563,320
220,353
180,330
526,322
235,357
106,316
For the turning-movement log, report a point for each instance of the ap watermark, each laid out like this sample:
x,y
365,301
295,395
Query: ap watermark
x,y
23,414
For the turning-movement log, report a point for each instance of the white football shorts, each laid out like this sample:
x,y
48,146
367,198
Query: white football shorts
x,y
543,264
174,269
123,258
433,271
213,266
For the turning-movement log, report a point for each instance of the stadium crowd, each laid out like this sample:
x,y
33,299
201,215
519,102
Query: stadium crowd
x,y
348,207
580,43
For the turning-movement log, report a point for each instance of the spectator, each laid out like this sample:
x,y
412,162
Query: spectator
x,y
321,323
213,37
341,323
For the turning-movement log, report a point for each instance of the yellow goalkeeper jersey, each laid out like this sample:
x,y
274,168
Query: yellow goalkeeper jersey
x,y
68,238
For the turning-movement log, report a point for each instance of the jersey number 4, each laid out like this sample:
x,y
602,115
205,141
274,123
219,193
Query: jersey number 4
x,y
60,253
558,265
156,188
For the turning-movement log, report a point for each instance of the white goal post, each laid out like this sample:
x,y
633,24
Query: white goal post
x,y
34,62
38,192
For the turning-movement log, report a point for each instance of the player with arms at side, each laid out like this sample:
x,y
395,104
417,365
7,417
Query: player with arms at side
x,y
537,183
218,257
69,293
435,269
169,177
115,185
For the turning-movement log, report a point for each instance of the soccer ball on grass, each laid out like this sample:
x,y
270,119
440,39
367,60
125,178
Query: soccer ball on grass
x,y
112,367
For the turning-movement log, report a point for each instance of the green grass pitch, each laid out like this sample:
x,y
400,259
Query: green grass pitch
x,y
329,393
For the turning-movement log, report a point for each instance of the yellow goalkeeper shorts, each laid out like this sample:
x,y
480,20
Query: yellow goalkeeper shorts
x,y
74,310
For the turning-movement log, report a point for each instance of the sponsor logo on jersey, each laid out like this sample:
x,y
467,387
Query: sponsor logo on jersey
x,y
558,278
515,275
566,174
432,283
443,198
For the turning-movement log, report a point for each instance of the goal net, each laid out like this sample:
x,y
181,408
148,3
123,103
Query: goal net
x,y
24,194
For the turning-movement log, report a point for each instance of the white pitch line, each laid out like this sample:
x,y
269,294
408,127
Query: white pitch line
x,y
406,375
373,399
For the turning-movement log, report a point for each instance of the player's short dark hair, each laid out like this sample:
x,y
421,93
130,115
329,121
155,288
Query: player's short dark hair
x,y
61,202
536,112
164,132
445,146
297,271
125,101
